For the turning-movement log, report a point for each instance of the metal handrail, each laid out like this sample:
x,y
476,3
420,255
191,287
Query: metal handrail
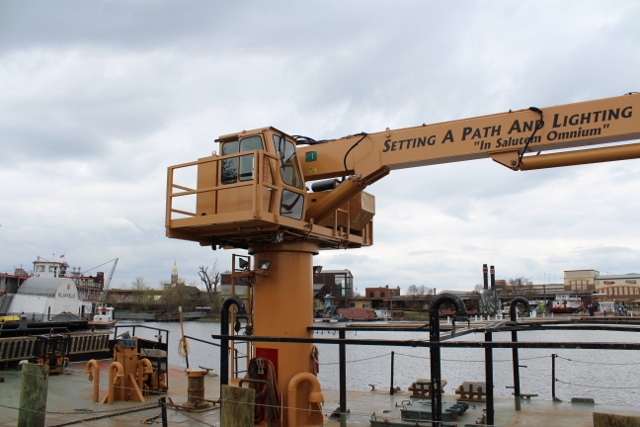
x,y
257,183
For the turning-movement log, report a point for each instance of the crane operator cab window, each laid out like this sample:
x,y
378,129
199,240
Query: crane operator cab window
x,y
239,168
292,202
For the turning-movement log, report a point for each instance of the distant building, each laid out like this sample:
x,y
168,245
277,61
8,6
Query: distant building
x,y
180,289
580,280
172,290
338,283
174,274
589,285
381,297
591,282
622,287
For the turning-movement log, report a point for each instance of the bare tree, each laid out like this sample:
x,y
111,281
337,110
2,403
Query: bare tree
x,y
139,284
141,292
518,287
417,294
412,290
211,280
488,300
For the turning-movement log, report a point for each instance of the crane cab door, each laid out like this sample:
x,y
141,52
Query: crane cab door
x,y
293,190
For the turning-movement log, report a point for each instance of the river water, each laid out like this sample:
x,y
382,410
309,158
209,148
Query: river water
x,y
607,376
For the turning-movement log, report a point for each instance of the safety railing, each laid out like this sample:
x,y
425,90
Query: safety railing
x,y
203,195
488,345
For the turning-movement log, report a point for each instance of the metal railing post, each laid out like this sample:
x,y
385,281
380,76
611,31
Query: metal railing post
x,y
488,366
343,378
553,377
514,338
391,387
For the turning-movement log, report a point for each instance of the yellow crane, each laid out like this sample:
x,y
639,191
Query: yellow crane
x,y
284,198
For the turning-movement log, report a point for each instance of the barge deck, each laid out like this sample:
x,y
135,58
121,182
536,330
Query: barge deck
x,y
70,403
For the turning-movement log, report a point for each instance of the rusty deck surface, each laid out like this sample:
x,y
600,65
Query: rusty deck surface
x,y
69,402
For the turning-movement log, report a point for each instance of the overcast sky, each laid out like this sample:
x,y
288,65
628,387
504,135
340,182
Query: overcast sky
x,y
98,98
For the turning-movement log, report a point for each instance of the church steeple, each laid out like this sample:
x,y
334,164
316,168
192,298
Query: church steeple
x,y
174,274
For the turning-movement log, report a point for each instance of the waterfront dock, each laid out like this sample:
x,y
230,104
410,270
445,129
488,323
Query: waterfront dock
x,y
69,402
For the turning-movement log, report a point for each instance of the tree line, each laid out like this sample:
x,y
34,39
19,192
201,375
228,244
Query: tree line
x,y
170,296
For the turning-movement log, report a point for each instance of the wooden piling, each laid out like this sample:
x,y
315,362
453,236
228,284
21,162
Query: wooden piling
x,y
613,420
33,395
238,406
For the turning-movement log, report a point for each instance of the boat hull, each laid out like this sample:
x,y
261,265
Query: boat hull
x,y
96,324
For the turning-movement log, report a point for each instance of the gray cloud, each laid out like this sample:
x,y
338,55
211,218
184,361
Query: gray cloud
x,y
99,97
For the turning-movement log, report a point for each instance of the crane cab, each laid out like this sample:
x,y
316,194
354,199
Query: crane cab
x,y
254,192
240,166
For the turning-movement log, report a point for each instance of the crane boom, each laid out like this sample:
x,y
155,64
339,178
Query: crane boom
x,y
560,127
255,190
113,269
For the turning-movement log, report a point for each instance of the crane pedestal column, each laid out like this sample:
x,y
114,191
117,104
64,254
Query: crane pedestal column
x,y
283,306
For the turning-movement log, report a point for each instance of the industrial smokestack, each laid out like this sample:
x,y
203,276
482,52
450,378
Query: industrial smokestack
x,y
486,278
493,278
